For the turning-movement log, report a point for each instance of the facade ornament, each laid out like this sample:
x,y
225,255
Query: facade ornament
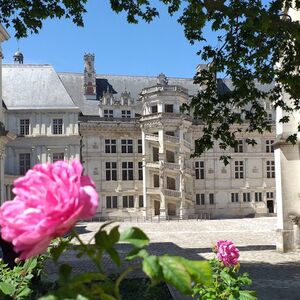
x,y
162,80
295,219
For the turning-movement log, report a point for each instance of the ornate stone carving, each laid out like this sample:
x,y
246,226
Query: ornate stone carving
x,y
295,219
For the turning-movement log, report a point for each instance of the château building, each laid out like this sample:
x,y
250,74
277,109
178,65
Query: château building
x,y
134,141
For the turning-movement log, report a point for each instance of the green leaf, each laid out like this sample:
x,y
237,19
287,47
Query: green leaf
x,y
24,292
152,268
114,255
174,272
49,297
58,250
107,297
7,288
135,237
247,295
200,271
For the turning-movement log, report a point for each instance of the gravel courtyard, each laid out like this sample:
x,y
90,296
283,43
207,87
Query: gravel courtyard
x,y
275,275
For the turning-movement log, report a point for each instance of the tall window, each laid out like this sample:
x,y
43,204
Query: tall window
x,y
108,113
234,197
126,114
111,201
200,199
127,146
24,126
239,147
127,170
258,196
140,170
247,197
111,171
270,164
140,146
211,197
110,146
199,169
24,163
57,125
58,156
141,201
128,201
270,195
238,169
269,147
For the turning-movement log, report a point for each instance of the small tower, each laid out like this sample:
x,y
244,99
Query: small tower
x,y
89,77
18,58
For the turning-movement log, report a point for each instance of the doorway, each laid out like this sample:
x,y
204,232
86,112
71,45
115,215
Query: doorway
x,y
270,206
156,208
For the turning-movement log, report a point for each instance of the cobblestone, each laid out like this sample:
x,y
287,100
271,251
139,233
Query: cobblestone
x,y
275,275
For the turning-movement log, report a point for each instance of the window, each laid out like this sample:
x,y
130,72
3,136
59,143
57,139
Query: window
x,y
140,146
24,162
200,199
169,108
239,169
126,114
156,180
171,133
57,126
111,201
128,201
58,156
234,197
170,156
154,109
239,147
211,198
24,126
258,196
247,197
108,113
127,170
199,169
171,183
269,147
155,152
270,168
111,171
140,165
270,195
141,201
110,146
127,146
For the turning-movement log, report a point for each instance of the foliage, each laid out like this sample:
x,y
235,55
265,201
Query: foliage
x,y
258,44
228,284
180,272
15,283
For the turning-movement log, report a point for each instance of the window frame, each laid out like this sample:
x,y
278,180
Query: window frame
x,y
57,126
127,171
111,173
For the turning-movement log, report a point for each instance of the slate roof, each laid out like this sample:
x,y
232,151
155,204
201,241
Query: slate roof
x,y
116,84
34,87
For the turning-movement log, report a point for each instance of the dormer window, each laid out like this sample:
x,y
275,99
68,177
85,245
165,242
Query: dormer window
x,y
24,126
108,113
57,125
154,109
126,114
169,108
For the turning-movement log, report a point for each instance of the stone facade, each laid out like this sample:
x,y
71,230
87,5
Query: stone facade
x,y
134,141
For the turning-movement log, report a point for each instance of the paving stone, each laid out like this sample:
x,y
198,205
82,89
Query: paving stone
x,y
275,275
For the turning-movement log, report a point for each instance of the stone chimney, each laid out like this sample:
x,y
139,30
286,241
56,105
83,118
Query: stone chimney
x,y
89,77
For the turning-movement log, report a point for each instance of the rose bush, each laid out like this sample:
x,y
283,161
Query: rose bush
x,y
48,201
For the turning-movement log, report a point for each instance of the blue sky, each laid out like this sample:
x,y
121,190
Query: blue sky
x,y
120,48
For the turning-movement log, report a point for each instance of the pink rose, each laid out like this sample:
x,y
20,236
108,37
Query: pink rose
x,y
49,200
227,253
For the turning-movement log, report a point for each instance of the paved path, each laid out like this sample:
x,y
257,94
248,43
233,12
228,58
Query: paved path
x,y
275,275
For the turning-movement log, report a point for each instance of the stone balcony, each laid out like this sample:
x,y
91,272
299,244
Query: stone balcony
x,y
171,139
151,137
154,165
172,193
